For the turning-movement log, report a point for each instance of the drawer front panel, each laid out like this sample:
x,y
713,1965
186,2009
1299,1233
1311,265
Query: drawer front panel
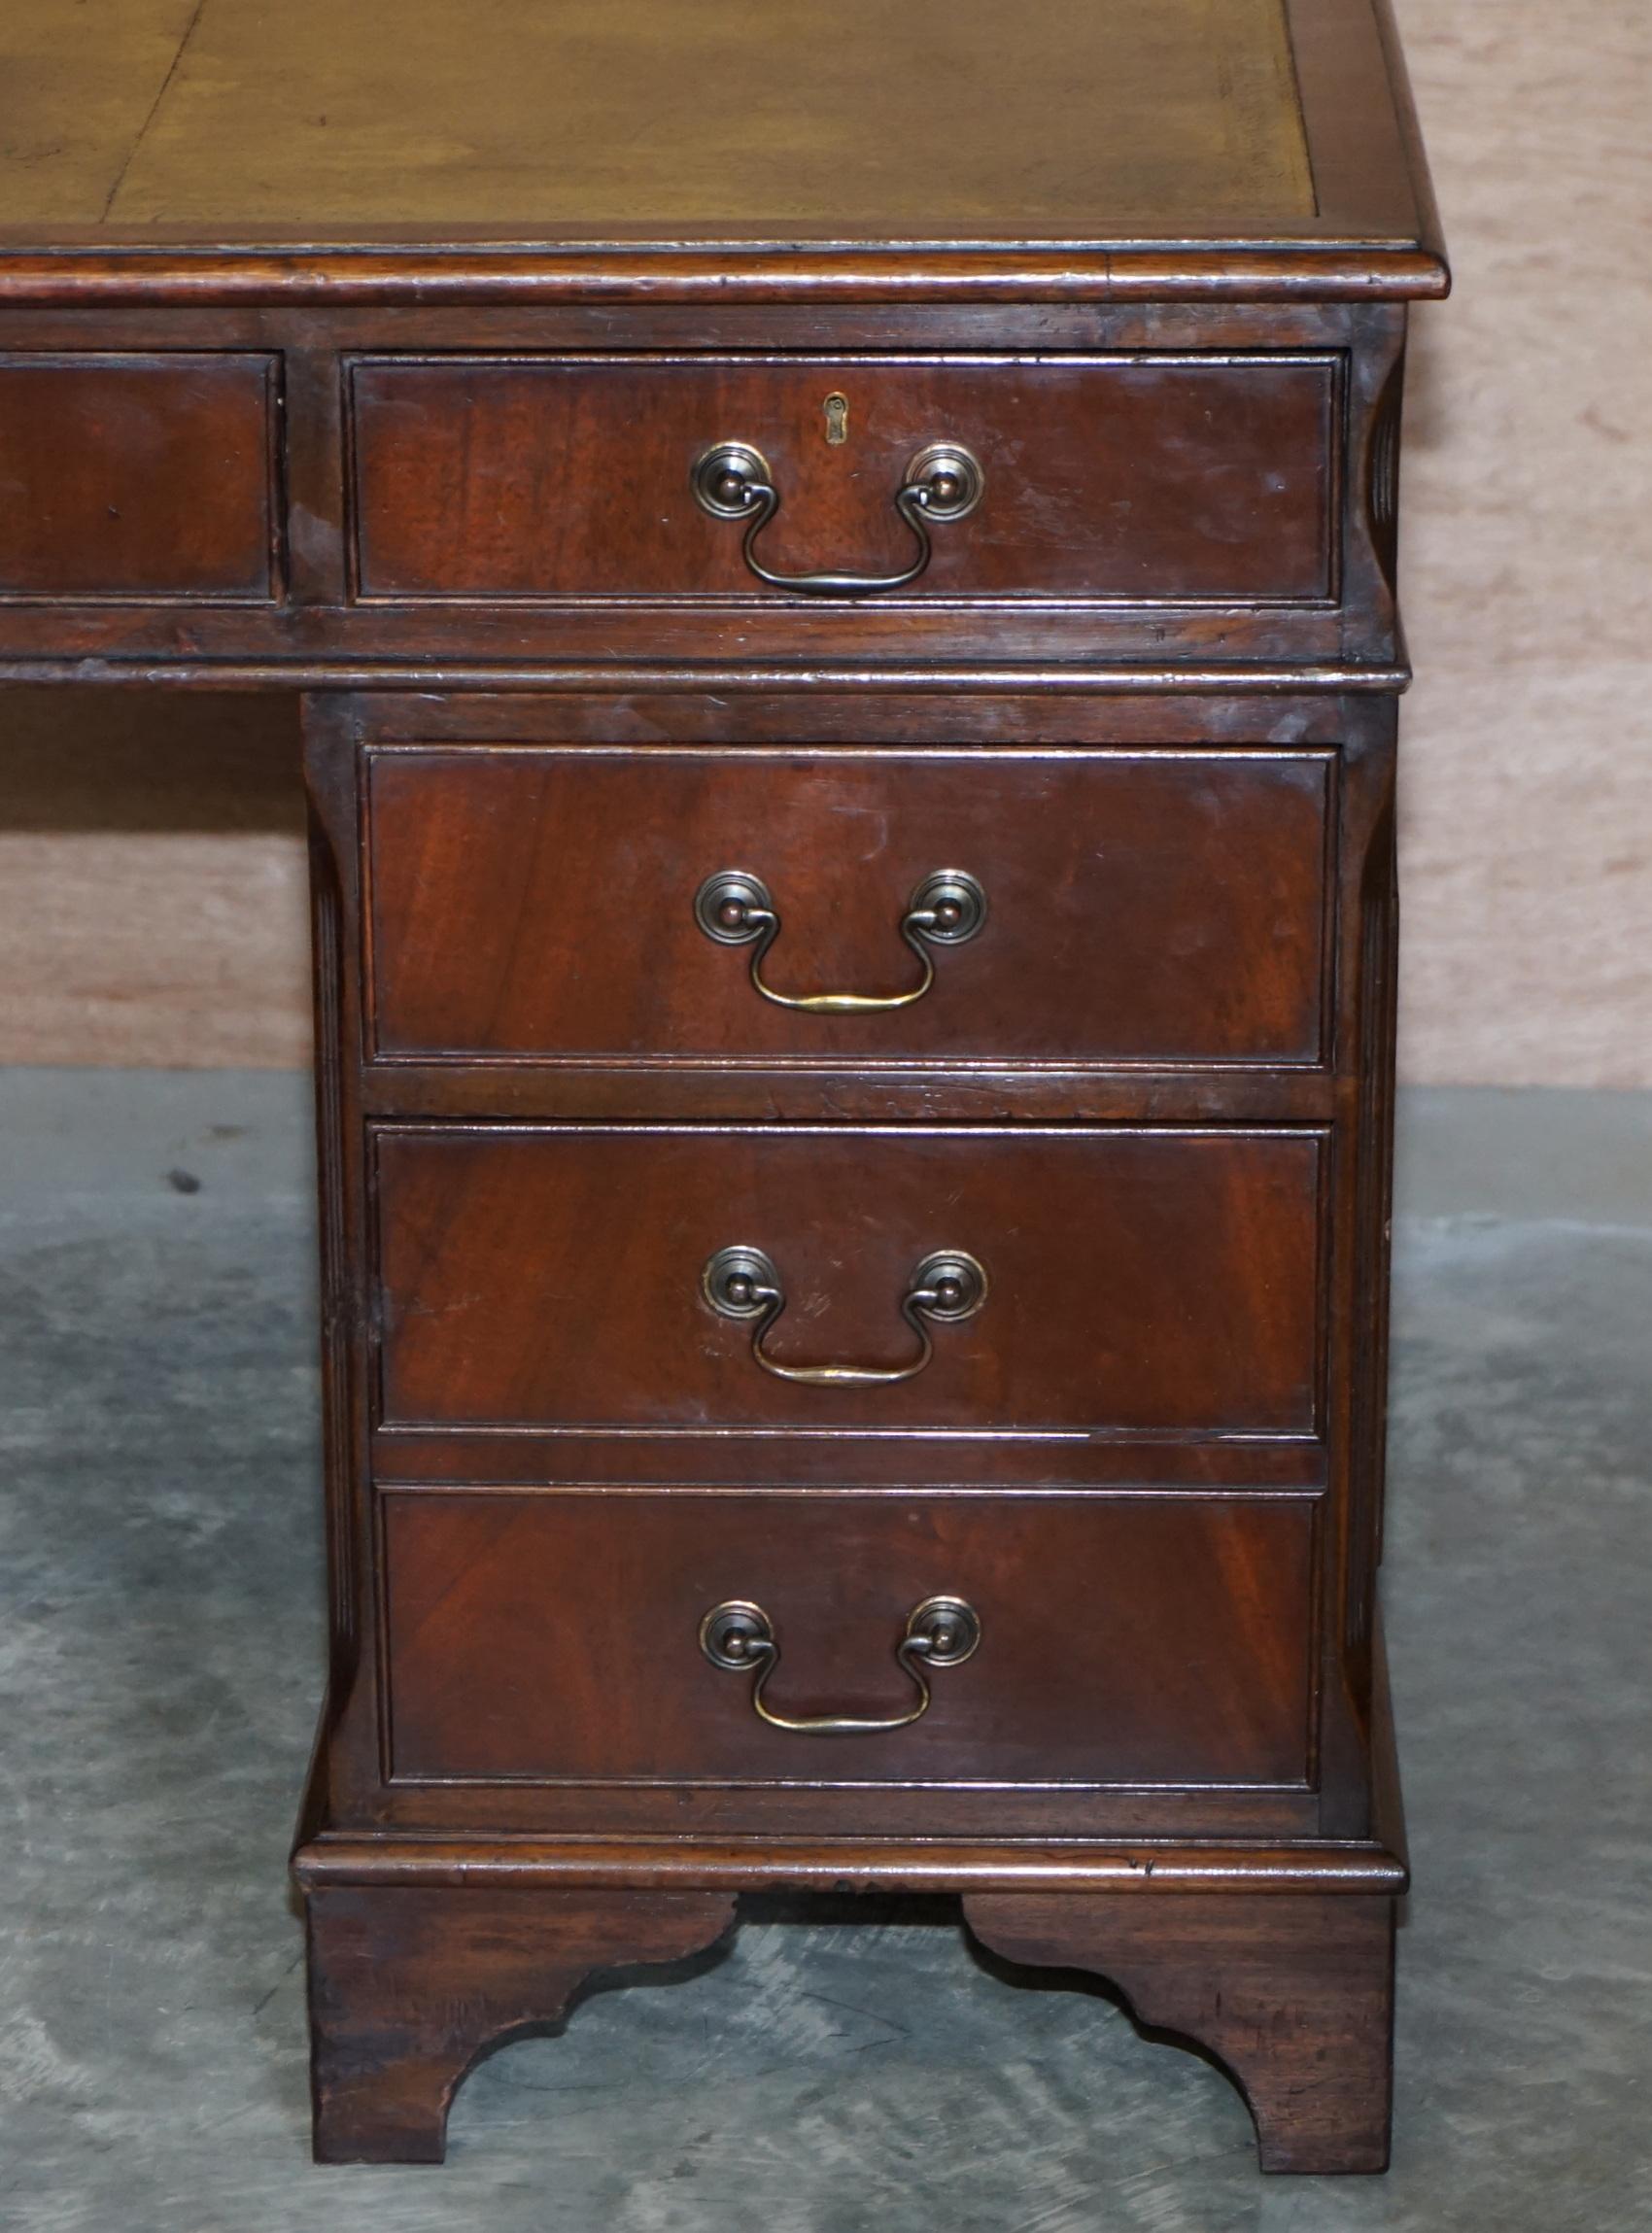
x,y
1167,906
137,477
1123,1640
1145,479
1138,1281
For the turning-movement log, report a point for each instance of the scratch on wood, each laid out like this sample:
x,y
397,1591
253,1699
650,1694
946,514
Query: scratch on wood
x,y
154,110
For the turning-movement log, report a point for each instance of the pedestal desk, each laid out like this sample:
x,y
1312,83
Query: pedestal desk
x,y
840,567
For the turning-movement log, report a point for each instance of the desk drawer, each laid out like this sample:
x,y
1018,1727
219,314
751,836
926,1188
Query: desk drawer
x,y
557,1635
1134,1279
1138,479
1159,906
137,478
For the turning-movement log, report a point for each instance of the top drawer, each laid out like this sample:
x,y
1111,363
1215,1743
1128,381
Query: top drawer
x,y
1146,479
142,479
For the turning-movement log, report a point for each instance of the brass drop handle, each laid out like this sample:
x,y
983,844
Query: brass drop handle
x,y
735,908
739,1635
742,1283
732,481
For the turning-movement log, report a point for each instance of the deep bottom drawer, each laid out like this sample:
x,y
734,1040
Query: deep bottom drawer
x,y
553,1635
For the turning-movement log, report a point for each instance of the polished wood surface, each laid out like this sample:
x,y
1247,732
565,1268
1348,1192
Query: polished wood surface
x,y
351,743
554,1638
525,1264
1165,906
409,1986
373,353
1143,480
137,477
1295,2003
1142,1868
1139,1280
600,553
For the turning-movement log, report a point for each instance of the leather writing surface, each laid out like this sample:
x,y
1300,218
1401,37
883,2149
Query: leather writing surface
x,y
591,119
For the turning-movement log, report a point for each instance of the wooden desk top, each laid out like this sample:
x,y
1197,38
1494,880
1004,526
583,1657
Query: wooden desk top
x,y
1098,146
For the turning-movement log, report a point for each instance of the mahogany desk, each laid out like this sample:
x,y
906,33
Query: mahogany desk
x,y
841,567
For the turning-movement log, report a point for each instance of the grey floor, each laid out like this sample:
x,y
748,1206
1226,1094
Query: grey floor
x,y
159,1663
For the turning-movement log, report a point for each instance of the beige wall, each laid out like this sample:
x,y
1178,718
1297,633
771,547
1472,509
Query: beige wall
x,y
151,846
1527,554
152,880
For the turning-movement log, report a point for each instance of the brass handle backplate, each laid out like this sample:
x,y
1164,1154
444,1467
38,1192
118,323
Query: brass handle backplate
x,y
739,1635
732,481
737,908
743,1283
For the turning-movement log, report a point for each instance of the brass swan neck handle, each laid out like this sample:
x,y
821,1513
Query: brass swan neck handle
x,y
744,1282
940,1632
735,908
733,481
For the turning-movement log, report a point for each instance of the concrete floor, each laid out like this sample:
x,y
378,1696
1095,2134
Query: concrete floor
x,y
160,1660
